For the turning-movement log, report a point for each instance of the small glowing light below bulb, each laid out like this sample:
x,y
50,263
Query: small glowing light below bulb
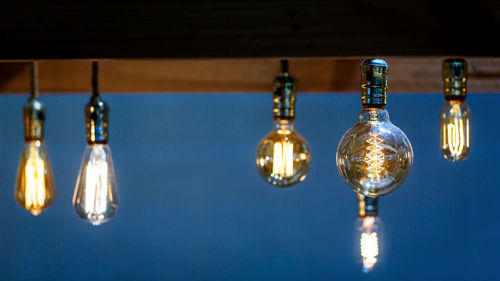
x,y
283,159
369,250
369,245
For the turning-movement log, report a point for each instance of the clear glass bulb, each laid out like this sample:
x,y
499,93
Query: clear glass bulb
x,y
369,230
374,157
283,156
95,198
454,126
35,189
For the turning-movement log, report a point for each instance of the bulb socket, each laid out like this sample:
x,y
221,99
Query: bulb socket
x,y
34,119
96,119
367,206
374,77
284,88
455,79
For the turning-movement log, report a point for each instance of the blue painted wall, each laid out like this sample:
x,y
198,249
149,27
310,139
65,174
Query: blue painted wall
x,y
192,206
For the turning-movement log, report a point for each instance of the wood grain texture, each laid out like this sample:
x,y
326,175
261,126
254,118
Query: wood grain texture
x,y
417,75
239,29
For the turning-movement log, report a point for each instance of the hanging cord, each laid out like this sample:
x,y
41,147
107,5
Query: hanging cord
x,y
95,79
284,66
34,80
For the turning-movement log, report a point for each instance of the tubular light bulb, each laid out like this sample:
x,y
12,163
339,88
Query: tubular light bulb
x,y
455,113
35,189
374,157
95,198
369,228
283,156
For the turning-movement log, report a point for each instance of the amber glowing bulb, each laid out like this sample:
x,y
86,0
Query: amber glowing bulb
x,y
455,113
35,190
283,157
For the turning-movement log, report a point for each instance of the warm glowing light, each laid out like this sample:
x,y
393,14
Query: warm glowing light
x,y
456,135
369,245
96,183
283,158
34,177
374,157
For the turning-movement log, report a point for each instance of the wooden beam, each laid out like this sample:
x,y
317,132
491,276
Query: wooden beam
x,y
417,75
238,29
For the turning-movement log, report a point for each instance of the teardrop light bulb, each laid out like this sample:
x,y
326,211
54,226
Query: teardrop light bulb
x,y
95,198
35,189
283,157
374,157
455,113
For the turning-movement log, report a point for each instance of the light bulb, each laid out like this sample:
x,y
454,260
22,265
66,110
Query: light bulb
x,y
35,188
369,233
283,157
95,198
374,157
455,113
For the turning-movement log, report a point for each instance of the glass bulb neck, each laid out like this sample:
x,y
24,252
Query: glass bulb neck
x,y
34,119
96,119
284,88
284,125
373,114
367,206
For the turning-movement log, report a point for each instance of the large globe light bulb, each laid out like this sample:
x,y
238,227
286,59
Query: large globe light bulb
x,y
374,157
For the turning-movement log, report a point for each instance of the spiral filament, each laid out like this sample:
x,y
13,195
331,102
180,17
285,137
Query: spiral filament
x,y
374,157
283,159
455,117
34,177
456,136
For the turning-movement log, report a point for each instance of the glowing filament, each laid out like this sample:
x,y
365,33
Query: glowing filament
x,y
283,159
374,157
35,182
455,132
96,183
369,250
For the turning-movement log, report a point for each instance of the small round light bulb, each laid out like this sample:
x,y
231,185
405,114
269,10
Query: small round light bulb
x,y
283,157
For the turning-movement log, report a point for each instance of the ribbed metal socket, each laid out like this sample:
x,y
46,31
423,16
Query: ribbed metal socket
x,y
96,119
455,79
367,206
34,118
374,77
284,88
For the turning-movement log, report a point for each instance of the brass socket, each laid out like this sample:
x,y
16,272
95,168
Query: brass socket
x,y
34,118
96,119
284,89
367,206
455,79
374,77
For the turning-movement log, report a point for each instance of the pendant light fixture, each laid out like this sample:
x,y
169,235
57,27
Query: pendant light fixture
x,y
283,157
455,113
369,229
95,198
35,189
374,157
